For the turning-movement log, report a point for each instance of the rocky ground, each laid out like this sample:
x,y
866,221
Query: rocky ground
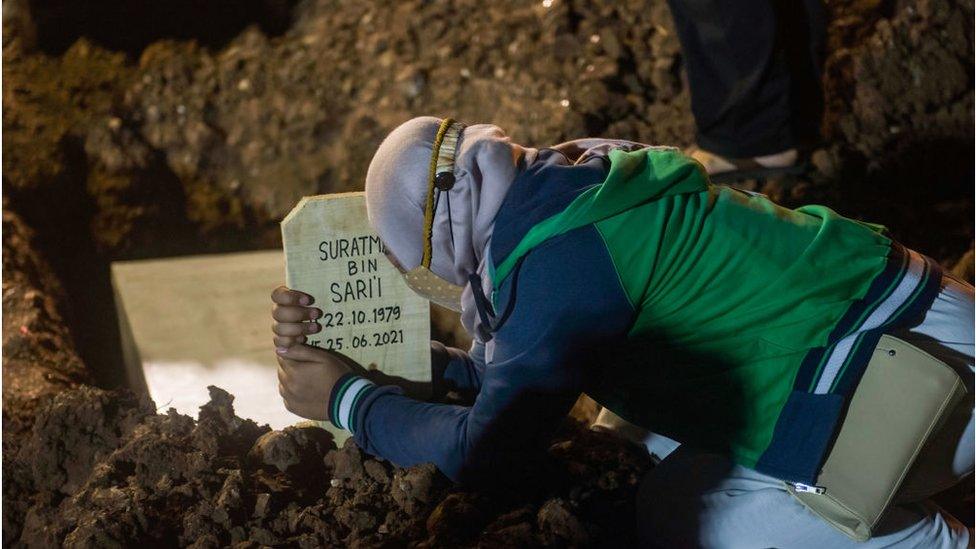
x,y
111,471
132,131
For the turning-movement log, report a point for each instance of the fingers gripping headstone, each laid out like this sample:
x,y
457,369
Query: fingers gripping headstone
x,y
369,314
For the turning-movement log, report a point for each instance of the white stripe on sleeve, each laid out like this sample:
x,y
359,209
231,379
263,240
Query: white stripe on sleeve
x,y
880,315
345,405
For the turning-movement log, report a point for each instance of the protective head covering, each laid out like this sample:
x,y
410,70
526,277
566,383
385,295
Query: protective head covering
x,y
398,186
440,179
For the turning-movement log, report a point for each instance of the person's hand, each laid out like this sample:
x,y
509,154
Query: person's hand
x,y
293,316
306,376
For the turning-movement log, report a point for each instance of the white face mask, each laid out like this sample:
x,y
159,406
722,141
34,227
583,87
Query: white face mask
x,y
421,279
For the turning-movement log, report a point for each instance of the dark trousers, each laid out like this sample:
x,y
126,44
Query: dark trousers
x,y
754,71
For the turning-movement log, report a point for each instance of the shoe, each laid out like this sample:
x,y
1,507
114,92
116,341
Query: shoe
x,y
726,170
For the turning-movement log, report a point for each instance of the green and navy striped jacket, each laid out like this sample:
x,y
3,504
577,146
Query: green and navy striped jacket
x,y
703,313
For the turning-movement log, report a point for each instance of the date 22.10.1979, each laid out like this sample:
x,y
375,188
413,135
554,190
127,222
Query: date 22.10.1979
x,y
359,317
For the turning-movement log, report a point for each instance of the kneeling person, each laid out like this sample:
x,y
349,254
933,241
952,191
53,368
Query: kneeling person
x,y
707,314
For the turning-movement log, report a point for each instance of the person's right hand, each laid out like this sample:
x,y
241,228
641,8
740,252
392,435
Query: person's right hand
x,y
294,317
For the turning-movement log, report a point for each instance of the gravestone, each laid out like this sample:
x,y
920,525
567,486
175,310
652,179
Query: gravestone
x,y
369,313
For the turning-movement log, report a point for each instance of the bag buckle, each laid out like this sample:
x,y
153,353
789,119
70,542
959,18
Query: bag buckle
x,y
806,488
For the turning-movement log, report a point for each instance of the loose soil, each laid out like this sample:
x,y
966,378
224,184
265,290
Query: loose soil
x,y
141,133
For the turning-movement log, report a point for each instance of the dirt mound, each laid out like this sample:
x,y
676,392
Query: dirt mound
x,y
264,121
921,55
112,472
899,121
39,358
178,139
186,146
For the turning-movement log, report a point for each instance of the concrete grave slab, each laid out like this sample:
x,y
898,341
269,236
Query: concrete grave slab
x,y
203,320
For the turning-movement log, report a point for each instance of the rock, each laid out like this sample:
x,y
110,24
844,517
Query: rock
x,y
347,463
458,518
261,504
825,162
558,524
229,504
277,449
377,471
19,30
517,535
296,451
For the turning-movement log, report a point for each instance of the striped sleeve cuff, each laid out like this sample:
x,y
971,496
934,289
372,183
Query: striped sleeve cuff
x,y
347,393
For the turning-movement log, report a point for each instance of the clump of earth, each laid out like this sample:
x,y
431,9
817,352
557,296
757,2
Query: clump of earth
x,y
131,131
106,469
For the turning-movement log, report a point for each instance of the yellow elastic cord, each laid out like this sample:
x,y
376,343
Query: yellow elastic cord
x,y
432,173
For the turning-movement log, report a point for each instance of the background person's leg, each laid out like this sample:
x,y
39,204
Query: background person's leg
x,y
702,500
747,74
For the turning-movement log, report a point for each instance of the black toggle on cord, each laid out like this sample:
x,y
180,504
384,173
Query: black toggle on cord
x,y
485,310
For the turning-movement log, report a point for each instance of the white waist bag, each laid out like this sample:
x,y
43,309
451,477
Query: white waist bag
x,y
903,398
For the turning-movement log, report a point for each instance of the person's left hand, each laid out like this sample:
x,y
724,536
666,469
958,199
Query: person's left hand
x,y
306,376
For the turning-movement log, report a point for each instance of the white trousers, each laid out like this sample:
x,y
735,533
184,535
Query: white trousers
x,y
693,499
